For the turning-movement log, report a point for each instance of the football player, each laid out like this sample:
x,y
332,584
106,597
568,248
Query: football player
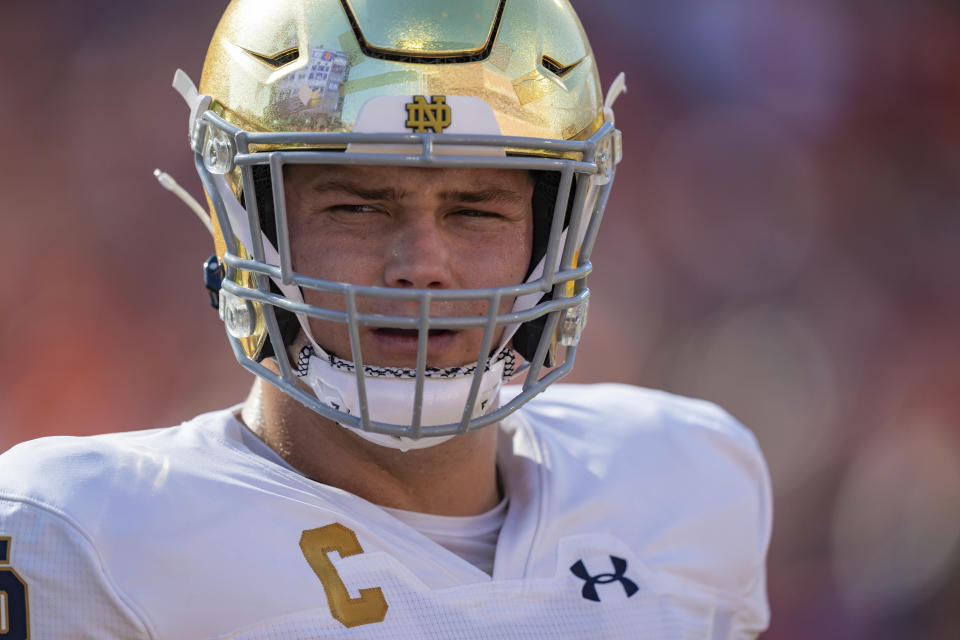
x,y
403,197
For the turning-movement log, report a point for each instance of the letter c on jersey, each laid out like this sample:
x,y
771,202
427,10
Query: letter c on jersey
x,y
315,544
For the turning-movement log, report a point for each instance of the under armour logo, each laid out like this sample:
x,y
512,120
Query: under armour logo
x,y
589,590
423,115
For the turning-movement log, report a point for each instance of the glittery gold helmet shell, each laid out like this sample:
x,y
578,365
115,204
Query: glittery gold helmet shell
x,y
305,70
310,65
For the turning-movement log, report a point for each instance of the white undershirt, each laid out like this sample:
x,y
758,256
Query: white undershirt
x,y
473,538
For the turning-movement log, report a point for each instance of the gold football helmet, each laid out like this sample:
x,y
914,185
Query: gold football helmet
x,y
476,83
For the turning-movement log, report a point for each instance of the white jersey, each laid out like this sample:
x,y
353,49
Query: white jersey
x,y
632,514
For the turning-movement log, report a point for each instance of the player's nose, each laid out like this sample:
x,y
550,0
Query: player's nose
x,y
419,257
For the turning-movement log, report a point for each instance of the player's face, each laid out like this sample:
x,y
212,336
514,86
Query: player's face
x,y
412,228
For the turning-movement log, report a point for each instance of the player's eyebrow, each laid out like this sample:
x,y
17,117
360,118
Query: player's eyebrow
x,y
491,194
364,193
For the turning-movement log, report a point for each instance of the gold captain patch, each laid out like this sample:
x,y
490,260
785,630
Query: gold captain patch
x,y
423,115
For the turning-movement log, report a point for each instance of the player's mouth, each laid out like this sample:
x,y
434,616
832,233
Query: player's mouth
x,y
406,340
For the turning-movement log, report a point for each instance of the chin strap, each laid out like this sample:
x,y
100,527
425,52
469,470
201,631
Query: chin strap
x,y
390,392
400,443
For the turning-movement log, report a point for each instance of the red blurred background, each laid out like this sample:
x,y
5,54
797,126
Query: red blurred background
x,y
783,239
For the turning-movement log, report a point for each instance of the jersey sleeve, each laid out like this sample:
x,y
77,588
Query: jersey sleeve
x,y
729,497
753,615
54,582
682,481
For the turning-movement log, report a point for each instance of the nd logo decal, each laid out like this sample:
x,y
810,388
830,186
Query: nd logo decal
x,y
423,115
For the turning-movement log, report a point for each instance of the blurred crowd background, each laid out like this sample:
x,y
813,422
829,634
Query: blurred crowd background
x,y
784,239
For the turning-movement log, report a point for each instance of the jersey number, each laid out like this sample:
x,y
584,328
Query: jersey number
x,y
371,606
14,622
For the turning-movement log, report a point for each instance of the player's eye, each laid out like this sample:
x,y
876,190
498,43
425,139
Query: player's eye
x,y
354,208
475,213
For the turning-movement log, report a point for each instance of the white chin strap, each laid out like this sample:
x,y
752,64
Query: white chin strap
x,y
391,391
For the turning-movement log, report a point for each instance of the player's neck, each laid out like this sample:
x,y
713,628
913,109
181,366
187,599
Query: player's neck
x,y
457,477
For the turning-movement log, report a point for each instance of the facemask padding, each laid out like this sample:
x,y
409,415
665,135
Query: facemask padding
x,y
288,323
